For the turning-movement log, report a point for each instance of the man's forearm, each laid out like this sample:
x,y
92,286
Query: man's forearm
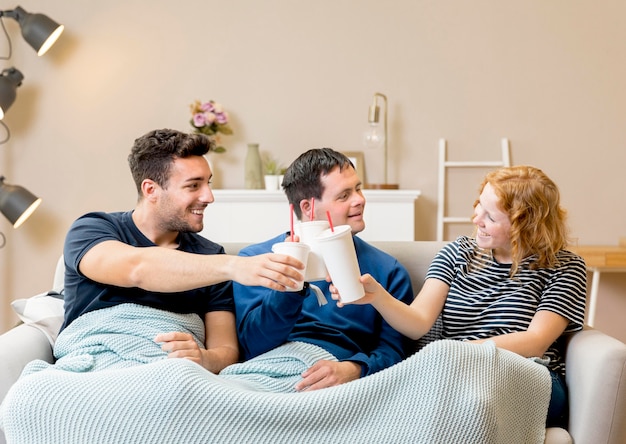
x,y
218,358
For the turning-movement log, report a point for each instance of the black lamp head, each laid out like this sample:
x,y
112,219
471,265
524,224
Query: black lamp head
x,y
39,30
17,203
10,79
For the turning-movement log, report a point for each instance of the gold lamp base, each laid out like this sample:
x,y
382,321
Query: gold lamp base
x,y
381,186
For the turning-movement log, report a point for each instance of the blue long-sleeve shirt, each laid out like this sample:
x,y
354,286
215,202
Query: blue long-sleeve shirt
x,y
267,319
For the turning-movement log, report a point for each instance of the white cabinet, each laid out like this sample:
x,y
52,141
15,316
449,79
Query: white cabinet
x,y
257,215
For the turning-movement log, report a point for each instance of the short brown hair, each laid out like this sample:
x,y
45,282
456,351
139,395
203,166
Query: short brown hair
x,y
152,154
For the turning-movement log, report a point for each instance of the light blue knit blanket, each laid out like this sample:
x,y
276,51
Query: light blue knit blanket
x,y
111,384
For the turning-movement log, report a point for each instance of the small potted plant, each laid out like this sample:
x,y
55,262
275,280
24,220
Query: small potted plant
x,y
272,169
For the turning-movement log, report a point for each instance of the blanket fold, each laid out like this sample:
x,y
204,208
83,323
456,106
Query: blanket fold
x,y
449,392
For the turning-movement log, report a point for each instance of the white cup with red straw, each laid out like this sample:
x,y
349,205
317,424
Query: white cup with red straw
x,y
308,232
337,247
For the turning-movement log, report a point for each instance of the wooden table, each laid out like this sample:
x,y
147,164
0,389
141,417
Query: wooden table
x,y
601,259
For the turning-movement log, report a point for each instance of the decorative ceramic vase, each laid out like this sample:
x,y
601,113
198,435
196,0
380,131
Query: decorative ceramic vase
x,y
254,168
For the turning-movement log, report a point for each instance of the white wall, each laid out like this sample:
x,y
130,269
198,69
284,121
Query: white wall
x,y
296,75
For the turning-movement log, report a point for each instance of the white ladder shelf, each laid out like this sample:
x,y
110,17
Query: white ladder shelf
x,y
444,165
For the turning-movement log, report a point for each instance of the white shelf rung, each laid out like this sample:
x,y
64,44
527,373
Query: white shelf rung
x,y
472,164
457,220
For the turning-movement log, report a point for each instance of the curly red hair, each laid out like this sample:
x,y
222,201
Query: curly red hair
x,y
538,222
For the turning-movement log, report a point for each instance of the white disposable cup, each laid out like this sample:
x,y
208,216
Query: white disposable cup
x,y
308,232
340,257
295,249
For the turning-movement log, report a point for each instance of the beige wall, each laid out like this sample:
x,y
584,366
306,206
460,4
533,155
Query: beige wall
x,y
296,75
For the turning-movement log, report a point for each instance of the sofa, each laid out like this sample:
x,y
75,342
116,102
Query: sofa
x,y
596,362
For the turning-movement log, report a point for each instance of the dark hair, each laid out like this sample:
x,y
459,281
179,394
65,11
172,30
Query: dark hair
x,y
153,153
302,179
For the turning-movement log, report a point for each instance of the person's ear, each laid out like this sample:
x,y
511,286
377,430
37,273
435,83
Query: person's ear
x,y
306,208
149,189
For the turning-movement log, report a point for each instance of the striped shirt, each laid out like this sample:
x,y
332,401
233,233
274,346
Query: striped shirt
x,y
484,301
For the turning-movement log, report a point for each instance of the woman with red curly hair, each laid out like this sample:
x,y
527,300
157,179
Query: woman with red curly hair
x,y
513,282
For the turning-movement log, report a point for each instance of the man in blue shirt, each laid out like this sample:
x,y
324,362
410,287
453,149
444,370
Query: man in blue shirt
x,y
324,180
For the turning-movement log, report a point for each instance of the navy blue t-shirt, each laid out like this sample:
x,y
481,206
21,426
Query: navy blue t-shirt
x,y
83,295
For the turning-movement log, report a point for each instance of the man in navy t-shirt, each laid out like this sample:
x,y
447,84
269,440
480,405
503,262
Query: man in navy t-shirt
x,y
153,257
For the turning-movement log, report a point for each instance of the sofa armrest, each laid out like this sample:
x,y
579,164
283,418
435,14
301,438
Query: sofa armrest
x,y
596,379
18,347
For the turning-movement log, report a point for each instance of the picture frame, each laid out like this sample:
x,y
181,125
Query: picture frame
x,y
357,158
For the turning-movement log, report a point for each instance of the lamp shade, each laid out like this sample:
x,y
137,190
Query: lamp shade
x,y
10,79
39,30
17,203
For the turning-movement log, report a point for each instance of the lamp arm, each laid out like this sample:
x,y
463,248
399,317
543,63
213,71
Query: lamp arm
x,y
16,14
14,74
2,14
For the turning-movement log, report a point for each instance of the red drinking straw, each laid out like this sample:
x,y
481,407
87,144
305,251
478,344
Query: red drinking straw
x,y
312,208
330,222
291,220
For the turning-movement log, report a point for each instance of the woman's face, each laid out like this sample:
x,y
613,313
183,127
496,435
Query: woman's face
x,y
493,227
